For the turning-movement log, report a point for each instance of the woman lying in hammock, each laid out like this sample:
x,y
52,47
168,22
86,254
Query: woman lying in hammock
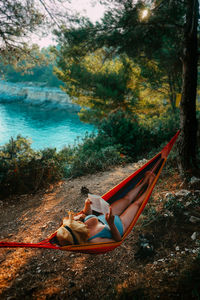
x,y
88,228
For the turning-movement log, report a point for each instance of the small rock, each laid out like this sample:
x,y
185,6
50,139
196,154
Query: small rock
x,y
63,292
169,196
194,236
1,203
49,223
177,248
168,213
194,182
142,162
194,179
194,219
186,213
161,260
43,227
183,193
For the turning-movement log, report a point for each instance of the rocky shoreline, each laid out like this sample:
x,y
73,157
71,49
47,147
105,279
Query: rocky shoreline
x,y
35,95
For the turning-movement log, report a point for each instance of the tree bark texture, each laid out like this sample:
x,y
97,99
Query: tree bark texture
x,y
188,122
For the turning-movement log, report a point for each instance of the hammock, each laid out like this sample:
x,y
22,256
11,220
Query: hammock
x,y
156,164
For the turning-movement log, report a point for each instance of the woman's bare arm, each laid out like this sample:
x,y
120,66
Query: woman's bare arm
x,y
114,231
86,211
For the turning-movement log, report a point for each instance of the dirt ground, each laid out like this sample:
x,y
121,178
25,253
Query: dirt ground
x,y
54,274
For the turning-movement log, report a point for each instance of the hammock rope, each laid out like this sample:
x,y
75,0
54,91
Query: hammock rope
x,y
154,165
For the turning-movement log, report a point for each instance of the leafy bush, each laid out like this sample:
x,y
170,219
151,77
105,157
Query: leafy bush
x,y
24,170
175,206
96,153
135,137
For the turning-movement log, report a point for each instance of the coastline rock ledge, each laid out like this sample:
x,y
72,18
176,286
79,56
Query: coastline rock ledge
x,y
34,95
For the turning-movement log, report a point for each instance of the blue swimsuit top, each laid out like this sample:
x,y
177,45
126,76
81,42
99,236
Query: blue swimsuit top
x,y
105,232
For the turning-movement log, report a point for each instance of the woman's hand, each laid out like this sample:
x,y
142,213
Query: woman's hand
x,y
110,218
88,202
87,208
114,231
79,217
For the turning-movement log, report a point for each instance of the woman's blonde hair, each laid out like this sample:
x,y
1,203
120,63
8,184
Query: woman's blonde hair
x,y
76,228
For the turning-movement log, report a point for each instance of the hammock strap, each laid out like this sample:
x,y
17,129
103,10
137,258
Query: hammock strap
x,y
28,245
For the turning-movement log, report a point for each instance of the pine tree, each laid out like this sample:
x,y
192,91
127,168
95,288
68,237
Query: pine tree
x,y
163,31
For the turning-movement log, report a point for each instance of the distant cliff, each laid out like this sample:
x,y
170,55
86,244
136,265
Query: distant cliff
x,y
46,97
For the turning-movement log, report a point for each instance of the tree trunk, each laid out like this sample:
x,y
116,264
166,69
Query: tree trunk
x,y
172,93
188,121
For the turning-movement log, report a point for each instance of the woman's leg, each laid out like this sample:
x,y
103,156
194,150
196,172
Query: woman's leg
x,y
128,215
119,206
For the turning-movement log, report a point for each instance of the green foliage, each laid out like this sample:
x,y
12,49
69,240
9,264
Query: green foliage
x,y
154,42
175,206
17,20
195,201
124,131
137,136
98,85
95,153
163,74
24,170
40,71
151,215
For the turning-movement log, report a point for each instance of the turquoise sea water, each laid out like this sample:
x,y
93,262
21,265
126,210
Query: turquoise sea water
x,y
46,127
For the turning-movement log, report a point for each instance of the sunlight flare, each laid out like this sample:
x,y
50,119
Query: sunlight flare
x,y
144,14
